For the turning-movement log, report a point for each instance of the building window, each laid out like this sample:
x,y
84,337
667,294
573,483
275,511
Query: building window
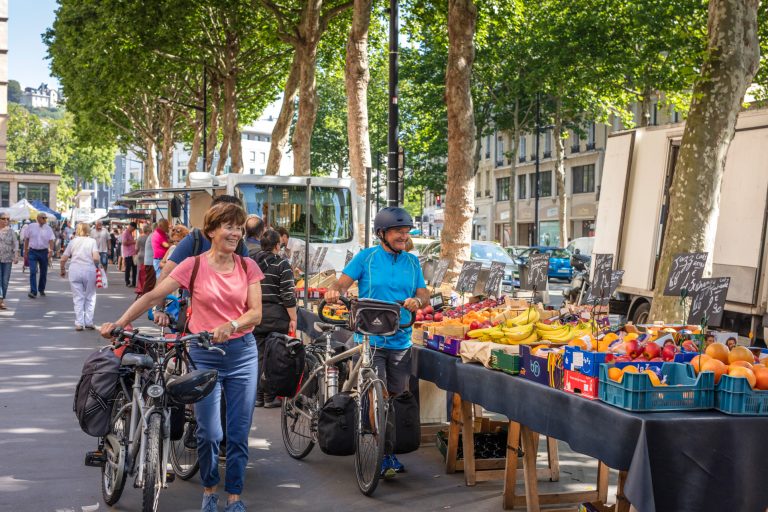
x,y
262,158
5,194
546,184
522,149
487,146
583,178
655,114
499,151
522,180
35,191
675,116
502,189
547,144
575,144
591,137
253,156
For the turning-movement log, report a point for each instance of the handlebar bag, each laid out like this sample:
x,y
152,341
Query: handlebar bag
x,y
95,392
374,318
284,358
336,425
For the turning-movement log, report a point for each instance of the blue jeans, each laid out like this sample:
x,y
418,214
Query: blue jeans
x,y
38,257
5,278
104,259
237,380
156,266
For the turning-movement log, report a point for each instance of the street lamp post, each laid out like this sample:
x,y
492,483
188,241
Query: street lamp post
x,y
538,177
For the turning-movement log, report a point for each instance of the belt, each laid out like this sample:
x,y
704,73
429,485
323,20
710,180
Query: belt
x,y
38,249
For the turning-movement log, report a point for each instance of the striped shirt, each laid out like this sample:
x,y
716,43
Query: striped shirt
x,y
277,285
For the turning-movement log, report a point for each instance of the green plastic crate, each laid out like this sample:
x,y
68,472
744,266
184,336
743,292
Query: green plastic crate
x,y
508,363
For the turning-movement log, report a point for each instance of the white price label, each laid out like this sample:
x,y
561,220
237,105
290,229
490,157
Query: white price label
x,y
578,359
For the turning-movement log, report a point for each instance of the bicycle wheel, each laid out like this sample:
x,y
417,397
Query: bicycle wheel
x,y
299,431
184,451
153,476
113,471
370,435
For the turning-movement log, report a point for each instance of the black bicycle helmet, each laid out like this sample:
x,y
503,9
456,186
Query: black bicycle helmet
x,y
193,386
391,217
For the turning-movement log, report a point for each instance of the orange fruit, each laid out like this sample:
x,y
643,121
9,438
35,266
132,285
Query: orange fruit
x,y
616,374
716,366
740,371
761,376
578,342
631,336
718,351
742,363
654,378
631,369
698,362
740,353
610,337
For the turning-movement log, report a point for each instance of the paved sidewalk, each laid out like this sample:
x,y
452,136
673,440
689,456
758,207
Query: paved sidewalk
x,y
42,447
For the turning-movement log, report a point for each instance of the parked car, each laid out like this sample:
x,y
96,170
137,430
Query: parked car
x,y
584,244
559,260
485,252
419,244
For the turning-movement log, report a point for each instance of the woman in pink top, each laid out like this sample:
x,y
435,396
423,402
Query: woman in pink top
x,y
160,243
226,300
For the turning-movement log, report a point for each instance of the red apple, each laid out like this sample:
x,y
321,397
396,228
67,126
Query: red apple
x,y
652,351
428,317
438,316
474,325
632,348
690,346
657,360
668,353
429,309
609,358
623,359
419,317
641,359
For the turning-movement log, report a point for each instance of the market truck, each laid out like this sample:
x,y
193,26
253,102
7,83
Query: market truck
x,y
334,209
634,196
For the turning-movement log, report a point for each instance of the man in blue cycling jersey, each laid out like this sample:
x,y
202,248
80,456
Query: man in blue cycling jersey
x,y
387,272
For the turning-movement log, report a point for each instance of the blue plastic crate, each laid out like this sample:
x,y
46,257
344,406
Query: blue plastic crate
x,y
584,361
734,396
685,391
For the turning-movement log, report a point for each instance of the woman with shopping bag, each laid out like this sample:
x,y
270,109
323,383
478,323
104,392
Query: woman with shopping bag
x,y
84,254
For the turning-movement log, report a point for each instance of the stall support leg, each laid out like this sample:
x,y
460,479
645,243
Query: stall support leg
x,y
454,427
622,504
510,471
468,442
602,482
553,460
529,470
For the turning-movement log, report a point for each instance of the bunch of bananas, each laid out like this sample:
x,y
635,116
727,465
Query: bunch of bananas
x,y
529,316
514,331
562,333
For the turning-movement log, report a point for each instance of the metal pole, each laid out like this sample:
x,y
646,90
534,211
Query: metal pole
x,y
378,180
538,177
205,119
306,242
367,207
392,139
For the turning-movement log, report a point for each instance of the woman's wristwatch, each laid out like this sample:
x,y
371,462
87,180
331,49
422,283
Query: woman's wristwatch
x,y
235,325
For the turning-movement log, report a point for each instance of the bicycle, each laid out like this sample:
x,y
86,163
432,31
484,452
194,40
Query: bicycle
x,y
150,384
325,371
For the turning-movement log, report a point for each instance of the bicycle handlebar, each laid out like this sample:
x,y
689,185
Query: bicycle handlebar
x,y
348,304
203,339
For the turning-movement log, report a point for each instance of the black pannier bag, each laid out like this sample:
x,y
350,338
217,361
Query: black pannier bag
x,y
374,318
407,422
95,392
284,358
336,425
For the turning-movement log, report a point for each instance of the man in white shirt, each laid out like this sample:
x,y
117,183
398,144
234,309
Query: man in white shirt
x,y
102,243
38,244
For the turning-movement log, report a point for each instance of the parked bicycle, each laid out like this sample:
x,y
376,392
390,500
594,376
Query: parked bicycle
x,y
328,369
157,377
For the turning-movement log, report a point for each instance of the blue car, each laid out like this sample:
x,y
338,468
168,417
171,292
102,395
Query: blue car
x,y
559,260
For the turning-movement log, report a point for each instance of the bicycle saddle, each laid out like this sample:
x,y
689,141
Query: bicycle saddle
x,y
324,327
140,360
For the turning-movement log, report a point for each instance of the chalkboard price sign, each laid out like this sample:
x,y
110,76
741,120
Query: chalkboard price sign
x,y
348,258
439,274
601,274
470,272
495,276
603,295
538,268
685,272
709,300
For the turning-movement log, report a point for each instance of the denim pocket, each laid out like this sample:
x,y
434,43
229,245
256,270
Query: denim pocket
x,y
249,340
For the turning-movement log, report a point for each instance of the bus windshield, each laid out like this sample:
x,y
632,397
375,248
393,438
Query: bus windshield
x,y
285,206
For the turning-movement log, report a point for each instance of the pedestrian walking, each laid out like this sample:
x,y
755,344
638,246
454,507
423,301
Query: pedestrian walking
x,y
278,304
9,255
38,245
128,244
226,300
141,248
101,235
85,258
160,244
254,230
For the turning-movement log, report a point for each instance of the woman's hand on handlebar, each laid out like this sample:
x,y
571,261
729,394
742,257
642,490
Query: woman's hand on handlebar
x,y
332,296
411,304
106,329
162,319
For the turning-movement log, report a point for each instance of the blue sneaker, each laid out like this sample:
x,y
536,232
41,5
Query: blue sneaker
x,y
235,506
396,464
387,469
210,502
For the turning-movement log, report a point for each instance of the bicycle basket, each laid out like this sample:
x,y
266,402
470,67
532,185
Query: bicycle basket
x,y
374,318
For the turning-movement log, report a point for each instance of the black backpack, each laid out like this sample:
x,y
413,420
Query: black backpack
x,y
284,359
407,422
336,425
95,392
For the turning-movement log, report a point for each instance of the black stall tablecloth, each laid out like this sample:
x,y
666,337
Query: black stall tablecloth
x,y
696,461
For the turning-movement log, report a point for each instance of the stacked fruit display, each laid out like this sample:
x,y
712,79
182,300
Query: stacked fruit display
x,y
520,329
736,362
477,307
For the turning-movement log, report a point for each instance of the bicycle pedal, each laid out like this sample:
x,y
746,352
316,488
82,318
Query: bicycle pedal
x,y
95,459
170,476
